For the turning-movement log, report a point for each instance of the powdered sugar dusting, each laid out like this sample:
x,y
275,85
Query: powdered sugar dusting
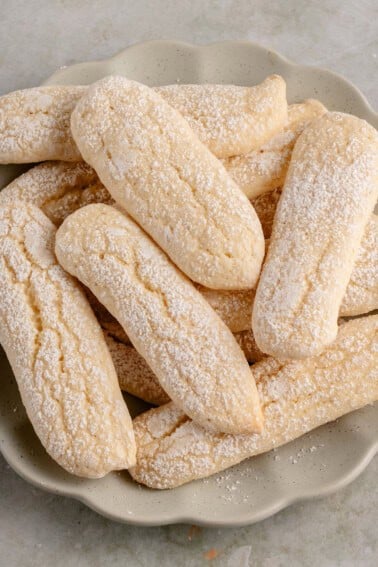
x,y
35,124
191,351
57,188
297,396
264,169
153,165
362,292
56,348
228,119
329,193
361,296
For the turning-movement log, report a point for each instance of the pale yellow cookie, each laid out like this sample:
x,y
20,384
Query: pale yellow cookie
x,y
35,124
57,352
362,292
329,194
229,119
154,167
58,188
193,354
297,396
361,296
233,307
264,169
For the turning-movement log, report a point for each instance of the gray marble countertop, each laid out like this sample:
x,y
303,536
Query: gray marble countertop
x,y
38,36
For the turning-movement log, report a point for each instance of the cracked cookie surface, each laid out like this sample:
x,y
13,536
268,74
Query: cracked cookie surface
x,y
57,351
35,124
297,396
329,194
191,351
155,168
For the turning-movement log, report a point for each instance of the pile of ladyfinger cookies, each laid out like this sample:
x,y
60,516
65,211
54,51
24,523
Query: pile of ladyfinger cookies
x,y
198,246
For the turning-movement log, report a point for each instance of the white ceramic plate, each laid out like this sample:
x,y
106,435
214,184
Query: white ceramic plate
x,y
314,465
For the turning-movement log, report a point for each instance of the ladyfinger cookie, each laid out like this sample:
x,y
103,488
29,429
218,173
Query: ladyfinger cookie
x,y
193,354
57,351
264,169
154,167
330,191
229,119
58,188
35,124
297,396
362,292
134,374
361,296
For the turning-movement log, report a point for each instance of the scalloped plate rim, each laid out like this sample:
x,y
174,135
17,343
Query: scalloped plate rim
x,y
265,513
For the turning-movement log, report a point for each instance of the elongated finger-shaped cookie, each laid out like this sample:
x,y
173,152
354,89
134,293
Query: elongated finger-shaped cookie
x,y
154,167
297,396
134,374
57,352
329,194
264,169
361,296
58,188
35,124
362,292
193,354
228,119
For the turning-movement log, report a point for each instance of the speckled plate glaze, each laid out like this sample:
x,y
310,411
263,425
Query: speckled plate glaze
x,y
318,463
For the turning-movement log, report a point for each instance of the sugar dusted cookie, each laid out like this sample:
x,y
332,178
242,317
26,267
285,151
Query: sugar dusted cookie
x,y
35,124
361,295
191,351
229,119
264,169
297,396
57,351
58,188
329,194
154,167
